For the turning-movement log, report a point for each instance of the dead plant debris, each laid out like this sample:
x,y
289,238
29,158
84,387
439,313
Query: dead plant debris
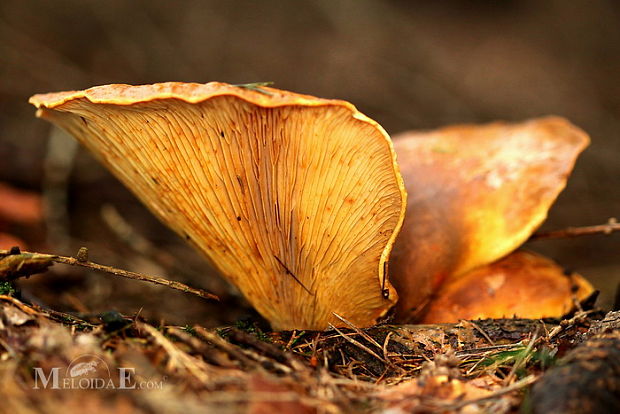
x,y
52,361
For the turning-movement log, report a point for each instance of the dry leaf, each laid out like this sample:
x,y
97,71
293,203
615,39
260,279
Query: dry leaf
x,y
14,266
436,394
477,192
296,200
16,317
273,396
522,284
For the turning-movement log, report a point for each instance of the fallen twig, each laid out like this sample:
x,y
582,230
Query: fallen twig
x,y
482,332
81,261
611,226
177,358
59,159
226,346
359,345
359,331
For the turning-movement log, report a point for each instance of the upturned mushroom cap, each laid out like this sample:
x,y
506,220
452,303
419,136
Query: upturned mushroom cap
x,y
477,192
522,284
296,200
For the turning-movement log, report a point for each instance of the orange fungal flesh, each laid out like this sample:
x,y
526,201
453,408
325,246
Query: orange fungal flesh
x,y
522,284
296,200
477,192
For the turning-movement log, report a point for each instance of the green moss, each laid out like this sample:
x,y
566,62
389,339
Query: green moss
x,y
190,330
252,328
256,87
7,288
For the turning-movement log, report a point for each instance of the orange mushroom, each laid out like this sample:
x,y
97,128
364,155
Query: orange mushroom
x,y
523,284
19,206
7,241
476,194
296,200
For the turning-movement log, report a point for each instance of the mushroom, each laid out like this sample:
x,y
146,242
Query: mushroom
x,y
476,194
522,284
296,200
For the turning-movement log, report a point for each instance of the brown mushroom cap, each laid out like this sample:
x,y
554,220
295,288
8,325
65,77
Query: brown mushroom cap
x,y
296,200
477,192
522,284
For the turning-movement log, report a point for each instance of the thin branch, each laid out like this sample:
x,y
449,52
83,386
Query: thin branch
x,y
359,345
57,167
119,272
611,226
227,347
566,323
481,331
359,331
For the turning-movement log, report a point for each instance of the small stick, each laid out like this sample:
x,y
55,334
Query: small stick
x,y
482,332
119,272
226,346
359,345
57,167
359,331
611,226
566,323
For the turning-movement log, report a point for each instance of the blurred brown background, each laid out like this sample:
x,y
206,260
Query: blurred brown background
x,y
409,65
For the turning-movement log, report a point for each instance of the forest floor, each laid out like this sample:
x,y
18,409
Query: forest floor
x,y
52,361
